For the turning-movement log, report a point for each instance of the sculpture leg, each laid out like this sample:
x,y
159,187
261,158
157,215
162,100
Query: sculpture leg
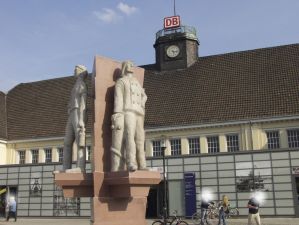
x,y
140,143
68,145
81,158
117,157
130,127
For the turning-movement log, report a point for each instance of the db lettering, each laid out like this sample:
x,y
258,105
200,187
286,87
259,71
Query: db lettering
x,y
170,22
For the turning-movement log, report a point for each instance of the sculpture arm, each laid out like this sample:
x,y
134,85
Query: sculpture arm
x,y
119,97
82,110
144,98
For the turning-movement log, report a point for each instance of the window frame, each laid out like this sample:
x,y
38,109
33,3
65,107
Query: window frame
x,y
213,148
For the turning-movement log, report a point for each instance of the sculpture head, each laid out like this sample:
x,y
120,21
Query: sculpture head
x,y
80,70
126,68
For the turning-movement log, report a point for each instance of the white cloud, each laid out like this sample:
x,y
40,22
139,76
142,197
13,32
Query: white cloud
x,y
126,9
107,15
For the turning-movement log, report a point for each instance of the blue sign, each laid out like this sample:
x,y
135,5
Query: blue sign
x,y
190,194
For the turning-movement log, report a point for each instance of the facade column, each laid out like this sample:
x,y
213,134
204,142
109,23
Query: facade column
x,y
222,143
28,156
283,138
41,155
185,146
148,148
256,137
203,144
168,148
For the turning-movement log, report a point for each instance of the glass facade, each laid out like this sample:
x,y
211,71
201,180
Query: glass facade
x,y
236,175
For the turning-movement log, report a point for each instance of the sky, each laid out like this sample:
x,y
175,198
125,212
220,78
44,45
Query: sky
x,y
45,39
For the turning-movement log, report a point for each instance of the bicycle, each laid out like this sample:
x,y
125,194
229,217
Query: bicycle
x,y
212,213
232,211
171,221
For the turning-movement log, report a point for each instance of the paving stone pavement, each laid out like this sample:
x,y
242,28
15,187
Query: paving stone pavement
x,y
47,221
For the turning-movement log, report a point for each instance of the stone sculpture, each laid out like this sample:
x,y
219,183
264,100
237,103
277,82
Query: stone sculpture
x,y
127,150
75,128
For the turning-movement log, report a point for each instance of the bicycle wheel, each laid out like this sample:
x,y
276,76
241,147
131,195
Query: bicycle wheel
x,y
182,223
196,218
157,222
234,212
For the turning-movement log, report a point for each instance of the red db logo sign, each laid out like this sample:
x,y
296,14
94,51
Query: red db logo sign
x,y
171,22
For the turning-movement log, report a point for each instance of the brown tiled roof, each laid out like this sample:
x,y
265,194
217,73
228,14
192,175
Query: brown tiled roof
x,y
2,116
247,85
262,83
39,109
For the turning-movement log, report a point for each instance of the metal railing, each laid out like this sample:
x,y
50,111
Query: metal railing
x,y
186,31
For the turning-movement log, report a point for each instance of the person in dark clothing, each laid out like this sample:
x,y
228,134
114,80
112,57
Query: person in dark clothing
x,y
12,209
205,204
253,206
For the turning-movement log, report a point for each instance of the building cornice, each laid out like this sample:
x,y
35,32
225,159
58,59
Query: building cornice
x,y
38,139
3,142
230,123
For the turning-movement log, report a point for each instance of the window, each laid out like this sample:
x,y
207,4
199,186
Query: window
x,y
194,145
213,144
175,146
48,155
88,153
157,150
22,157
60,154
273,139
232,142
34,154
293,138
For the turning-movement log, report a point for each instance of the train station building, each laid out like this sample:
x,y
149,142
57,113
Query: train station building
x,y
230,121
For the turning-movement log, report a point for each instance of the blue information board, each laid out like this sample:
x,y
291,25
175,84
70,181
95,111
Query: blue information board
x,y
190,194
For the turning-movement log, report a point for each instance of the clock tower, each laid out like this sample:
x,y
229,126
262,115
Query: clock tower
x,y
176,47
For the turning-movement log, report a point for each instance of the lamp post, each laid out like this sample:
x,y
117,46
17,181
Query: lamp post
x,y
165,208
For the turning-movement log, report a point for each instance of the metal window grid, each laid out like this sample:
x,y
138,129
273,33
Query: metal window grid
x,y
60,154
157,150
273,139
34,153
48,155
194,145
232,141
293,138
22,157
213,144
175,147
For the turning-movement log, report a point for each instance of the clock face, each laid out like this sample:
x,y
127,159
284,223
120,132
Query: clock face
x,y
172,51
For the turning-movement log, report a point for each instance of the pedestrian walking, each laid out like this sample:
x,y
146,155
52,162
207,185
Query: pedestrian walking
x,y
253,206
12,205
223,208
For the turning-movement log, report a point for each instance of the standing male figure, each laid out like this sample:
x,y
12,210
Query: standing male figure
x,y
128,122
75,128
12,212
253,206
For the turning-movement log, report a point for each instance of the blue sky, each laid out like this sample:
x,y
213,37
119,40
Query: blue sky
x,y
44,39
